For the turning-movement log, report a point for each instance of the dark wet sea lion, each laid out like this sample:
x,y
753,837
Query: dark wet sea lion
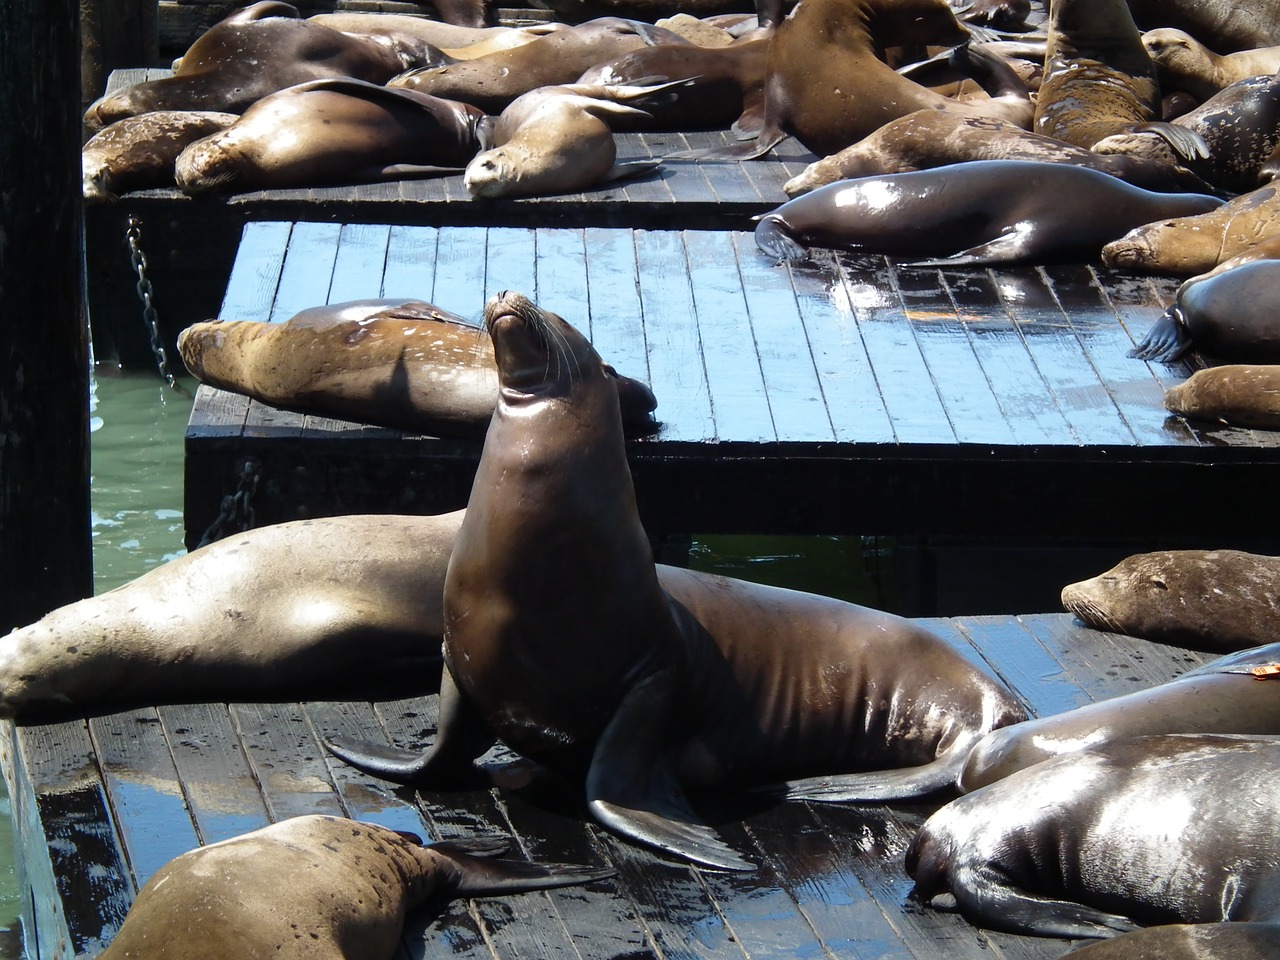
x,y
234,64
1189,245
1210,599
342,131
987,211
1239,126
315,887
934,138
1146,830
493,81
1239,394
1228,315
1223,25
1189,941
397,363
339,607
692,691
1220,697
1184,63
827,83
138,152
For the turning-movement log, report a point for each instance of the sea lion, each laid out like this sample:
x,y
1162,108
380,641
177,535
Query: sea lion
x,y
341,131
1220,697
1105,839
1188,941
558,139
396,363
1238,394
233,64
138,152
493,81
990,211
935,138
1228,315
315,888
1224,25
1189,245
437,33
1184,63
1208,599
692,691
329,607
826,82
1239,126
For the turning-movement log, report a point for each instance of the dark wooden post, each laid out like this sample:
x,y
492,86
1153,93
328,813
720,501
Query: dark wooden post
x,y
115,34
45,557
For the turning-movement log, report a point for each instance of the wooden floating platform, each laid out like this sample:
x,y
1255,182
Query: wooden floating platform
x,y
100,804
190,242
837,395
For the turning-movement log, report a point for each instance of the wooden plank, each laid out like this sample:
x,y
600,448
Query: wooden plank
x,y
616,318
255,275
459,283
307,273
510,258
409,270
286,760
560,278
360,262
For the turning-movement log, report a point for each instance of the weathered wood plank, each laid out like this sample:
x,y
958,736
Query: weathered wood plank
x,y
360,263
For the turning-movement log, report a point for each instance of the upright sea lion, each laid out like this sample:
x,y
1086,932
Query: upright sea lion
x,y
826,82
1147,830
559,139
1209,599
1238,394
315,888
341,131
233,64
138,152
330,607
987,211
1220,697
692,691
1228,315
1189,245
396,363
491,82
1188,941
935,138
1184,63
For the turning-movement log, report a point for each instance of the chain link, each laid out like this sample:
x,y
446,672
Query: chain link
x,y
237,508
146,294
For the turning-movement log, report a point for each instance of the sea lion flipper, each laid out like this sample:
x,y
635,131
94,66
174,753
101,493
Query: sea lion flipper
x,y
629,168
985,895
872,785
1166,341
401,171
1006,248
632,789
1187,143
479,874
746,150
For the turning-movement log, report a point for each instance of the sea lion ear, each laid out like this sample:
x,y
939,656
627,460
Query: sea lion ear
x,y
632,789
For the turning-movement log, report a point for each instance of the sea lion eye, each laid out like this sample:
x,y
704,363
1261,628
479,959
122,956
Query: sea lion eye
x,y
1159,584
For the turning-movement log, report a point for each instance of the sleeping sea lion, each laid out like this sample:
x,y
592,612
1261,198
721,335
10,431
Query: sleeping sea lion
x,y
1184,63
139,152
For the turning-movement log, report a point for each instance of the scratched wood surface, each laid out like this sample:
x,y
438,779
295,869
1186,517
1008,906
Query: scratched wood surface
x,y
100,804
843,394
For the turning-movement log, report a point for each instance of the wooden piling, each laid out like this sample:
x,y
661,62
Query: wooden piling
x,y
114,34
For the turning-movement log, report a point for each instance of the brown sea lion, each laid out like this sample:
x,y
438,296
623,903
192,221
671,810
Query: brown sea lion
x,y
1224,25
1190,245
493,81
1239,126
1184,63
828,86
986,211
1209,599
1221,697
1188,941
1228,315
315,888
340,131
692,691
436,33
1238,394
1145,830
935,138
138,152
395,363
233,64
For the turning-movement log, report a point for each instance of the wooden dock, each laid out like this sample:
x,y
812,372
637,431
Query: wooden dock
x,y
100,804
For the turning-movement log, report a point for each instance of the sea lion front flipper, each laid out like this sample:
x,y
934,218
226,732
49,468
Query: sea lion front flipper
x,y
985,895
461,736
632,789
629,168
480,875
1186,143
1166,341
1006,248
751,121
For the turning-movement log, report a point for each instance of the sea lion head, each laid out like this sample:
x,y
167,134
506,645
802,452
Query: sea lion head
x,y
491,174
539,355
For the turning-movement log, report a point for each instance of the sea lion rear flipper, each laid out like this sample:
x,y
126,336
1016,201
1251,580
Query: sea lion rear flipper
x,y
399,171
1166,341
478,874
629,168
875,785
747,150
632,789
751,121
461,736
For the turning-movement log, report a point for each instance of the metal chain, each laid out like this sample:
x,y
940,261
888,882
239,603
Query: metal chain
x,y
146,295
237,508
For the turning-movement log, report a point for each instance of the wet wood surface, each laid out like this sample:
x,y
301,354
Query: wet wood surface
x,y
841,394
101,804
